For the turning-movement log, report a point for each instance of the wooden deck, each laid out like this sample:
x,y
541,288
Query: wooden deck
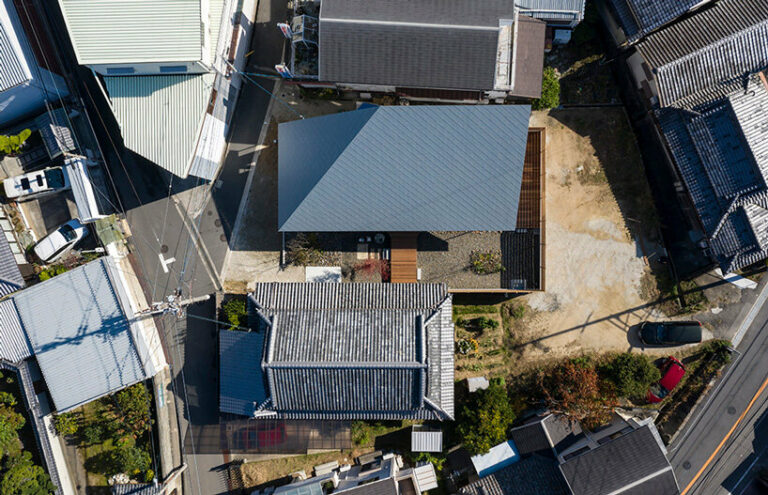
x,y
403,248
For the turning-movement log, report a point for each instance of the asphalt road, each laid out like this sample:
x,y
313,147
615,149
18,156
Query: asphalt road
x,y
703,455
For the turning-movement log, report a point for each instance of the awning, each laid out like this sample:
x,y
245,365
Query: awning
x,y
82,189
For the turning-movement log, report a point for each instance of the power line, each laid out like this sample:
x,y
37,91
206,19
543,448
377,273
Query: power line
x,y
270,93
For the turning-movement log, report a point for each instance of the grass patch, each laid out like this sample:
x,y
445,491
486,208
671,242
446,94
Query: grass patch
x,y
459,310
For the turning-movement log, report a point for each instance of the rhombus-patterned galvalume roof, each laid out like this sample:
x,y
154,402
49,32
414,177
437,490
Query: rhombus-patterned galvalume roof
x,y
419,168
343,351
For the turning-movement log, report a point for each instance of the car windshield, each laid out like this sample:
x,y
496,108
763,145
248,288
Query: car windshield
x,y
55,178
68,233
659,391
25,183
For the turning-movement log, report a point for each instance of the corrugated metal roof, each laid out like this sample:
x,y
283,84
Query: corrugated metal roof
x,y
316,363
14,346
611,467
241,379
717,45
426,439
82,189
86,349
553,10
11,279
403,169
55,131
13,65
412,44
134,31
137,489
216,12
160,116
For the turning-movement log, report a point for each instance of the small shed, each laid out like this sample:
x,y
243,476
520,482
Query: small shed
x,y
476,383
426,439
500,456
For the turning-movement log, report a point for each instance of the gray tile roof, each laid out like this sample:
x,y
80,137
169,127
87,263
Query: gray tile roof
x,y
86,349
553,10
640,17
412,44
721,151
13,67
621,462
544,434
241,380
136,489
11,279
14,345
386,486
345,351
356,171
533,475
717,45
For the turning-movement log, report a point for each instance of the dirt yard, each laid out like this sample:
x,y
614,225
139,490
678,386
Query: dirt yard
x,y
600,224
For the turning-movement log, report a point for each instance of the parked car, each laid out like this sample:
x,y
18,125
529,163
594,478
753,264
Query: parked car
x,y
672,371
55,244
670,332
36,184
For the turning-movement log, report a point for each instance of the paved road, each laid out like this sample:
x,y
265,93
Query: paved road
x,y
734,392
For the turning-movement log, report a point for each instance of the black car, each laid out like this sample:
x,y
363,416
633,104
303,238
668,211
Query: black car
x,y
670,332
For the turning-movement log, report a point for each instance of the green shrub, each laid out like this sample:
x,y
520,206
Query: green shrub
x,y
93,434
305,249
65,424
22,477
486,419
51,272
10,145
133,405
550,90
235,313
631,374
485,262
130,460
360,433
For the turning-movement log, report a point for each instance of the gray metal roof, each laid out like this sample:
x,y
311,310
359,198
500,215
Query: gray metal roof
x,y
721,151
553,10
86,349
625,460
13,66
425,439
55,131
418,168
11,279
137,489
533,475
241,380
14,346
134,31
412,44
721,43
344,351
640,17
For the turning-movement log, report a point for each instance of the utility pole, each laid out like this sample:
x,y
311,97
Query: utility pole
x,y
172,304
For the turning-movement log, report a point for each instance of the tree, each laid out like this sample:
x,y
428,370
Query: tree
x,y
550,90
10,422
22,477
576,391
631,374
130,460
235,313
133,409
10,145
485,421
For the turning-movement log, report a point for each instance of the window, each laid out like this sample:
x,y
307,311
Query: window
x,y
68,233
173,68
117,71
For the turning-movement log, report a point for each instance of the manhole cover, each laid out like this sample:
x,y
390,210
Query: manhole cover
x,y
217,222
731,410
209,212
686,465
223,238
163,249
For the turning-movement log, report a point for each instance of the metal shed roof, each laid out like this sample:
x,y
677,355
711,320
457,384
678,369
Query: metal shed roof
x,y
160,116
55,131
420,168
424,439
241,379
553,10
134,31
82,189
87,349
13,65
11,279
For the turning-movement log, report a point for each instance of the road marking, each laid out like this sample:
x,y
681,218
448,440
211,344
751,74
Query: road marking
x,y
750,316
726,437
165,262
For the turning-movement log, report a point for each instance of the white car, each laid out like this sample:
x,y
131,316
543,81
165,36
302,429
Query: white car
x,y
55,244
35,184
